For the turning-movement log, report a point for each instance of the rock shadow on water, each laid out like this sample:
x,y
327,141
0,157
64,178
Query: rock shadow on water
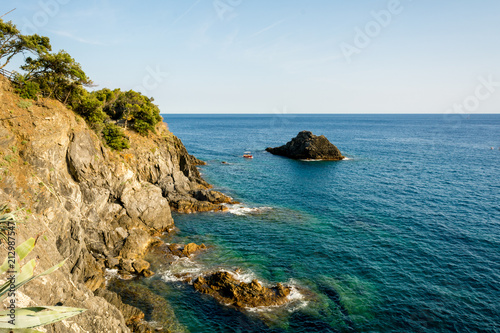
x,y
351,298
158,312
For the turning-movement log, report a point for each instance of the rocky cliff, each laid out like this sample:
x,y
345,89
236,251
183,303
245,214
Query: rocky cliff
x,y
96,207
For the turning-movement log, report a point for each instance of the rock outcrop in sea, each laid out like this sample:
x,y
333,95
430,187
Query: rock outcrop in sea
x,y
228,290
98,208
307,146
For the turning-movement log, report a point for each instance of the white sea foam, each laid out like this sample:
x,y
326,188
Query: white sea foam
x,y
241,276
241,210
111,273
180,269
295,294
296,301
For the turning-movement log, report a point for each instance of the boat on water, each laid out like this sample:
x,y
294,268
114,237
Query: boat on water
x,y
247,154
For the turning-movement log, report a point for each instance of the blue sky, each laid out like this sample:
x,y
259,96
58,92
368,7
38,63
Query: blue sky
x,y
294,56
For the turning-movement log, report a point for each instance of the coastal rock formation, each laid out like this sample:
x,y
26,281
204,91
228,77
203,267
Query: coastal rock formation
x,y
308,146
173,250
95,207
226,289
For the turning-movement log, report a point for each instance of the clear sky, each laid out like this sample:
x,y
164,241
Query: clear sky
x,y
283,56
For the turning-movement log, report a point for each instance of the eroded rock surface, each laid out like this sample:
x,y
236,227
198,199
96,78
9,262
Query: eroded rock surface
x,y
226,289
95,207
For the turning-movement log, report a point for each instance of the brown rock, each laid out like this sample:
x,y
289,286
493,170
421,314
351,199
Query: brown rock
x,y
126,265
184,251
146,203
112,262
136,244
95,282
140,265
226,289
147,273
192,248
131,314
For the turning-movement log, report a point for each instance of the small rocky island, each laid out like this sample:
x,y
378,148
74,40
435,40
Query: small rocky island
x,y
228,290
307,146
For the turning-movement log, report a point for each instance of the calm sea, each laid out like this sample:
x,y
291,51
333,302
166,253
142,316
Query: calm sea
x,y
403,236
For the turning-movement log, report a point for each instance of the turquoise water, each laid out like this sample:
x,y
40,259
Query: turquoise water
x,y
404,236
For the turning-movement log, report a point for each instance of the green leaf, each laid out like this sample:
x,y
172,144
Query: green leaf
x,y
37,316
25,248
26,275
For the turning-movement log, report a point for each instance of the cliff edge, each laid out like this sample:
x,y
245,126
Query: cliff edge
x,y
97,207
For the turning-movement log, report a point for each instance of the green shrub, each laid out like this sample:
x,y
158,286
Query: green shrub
x,y
25,104
27,89
135,109
114,137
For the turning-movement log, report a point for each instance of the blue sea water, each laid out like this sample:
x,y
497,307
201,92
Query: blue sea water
x,y
403,236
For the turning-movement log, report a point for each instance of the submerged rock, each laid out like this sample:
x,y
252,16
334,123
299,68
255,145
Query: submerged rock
x,y
183,251
226,289
308,146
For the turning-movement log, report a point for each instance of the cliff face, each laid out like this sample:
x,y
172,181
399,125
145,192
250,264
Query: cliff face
x,y
97,207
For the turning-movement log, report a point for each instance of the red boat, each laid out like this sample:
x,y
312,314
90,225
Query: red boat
x,y
247,154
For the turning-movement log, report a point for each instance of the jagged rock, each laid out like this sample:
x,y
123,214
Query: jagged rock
x,y
95,282
140,265
191,248
212,196
146,203
81,156
92,204
308,146
126,265
131,314
136,244
147,273
226,289
112,262
183,251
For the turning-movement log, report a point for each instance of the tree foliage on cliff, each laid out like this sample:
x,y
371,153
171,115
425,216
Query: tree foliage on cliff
x,y
59,76
12,43
132,108
114,137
